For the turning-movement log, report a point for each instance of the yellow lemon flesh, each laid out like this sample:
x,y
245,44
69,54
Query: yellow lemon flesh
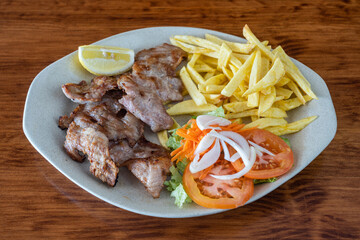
x,y
104,60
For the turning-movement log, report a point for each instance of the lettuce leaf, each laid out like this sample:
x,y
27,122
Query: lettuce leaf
x,y
180,196
260,181
174,141
286,140
219,112
174,185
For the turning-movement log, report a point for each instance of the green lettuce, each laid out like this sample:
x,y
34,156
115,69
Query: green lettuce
x,y
174,185
286,140
219,112
260,181
180,196
174,141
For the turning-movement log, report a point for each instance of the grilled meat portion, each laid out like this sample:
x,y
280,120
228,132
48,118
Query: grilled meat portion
x,y
121,152
94,144
144,104
154,69
151,171
92,92
99,117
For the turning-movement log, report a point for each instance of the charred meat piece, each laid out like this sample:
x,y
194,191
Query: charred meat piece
x,y
121,152
93,143
151,171
154,69
144,104
128,127
93,92
99,117
110,99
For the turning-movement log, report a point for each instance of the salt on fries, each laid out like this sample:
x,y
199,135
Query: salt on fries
x,y
247,79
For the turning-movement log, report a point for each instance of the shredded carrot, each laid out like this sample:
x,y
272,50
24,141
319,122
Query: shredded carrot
x,y
192,135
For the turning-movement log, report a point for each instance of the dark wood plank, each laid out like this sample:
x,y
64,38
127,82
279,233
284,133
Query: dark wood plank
x,y
37,201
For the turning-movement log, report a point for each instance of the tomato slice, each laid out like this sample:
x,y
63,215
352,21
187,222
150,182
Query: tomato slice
x,y
214,193
269,166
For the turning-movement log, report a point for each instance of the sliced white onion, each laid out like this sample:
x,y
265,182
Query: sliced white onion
x,y
243,171
204,144
234,157
226,150
207,160
242,153
205,121
238,139
261,149
260,154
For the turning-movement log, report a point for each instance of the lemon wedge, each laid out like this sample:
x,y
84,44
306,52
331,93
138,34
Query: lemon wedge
x,y
104,60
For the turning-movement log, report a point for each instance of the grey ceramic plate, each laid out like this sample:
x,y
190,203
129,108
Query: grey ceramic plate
x,y
45,103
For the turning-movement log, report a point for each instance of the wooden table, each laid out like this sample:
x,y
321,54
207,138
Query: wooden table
x,y
36,201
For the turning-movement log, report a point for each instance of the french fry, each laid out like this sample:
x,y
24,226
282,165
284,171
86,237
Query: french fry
x,y
198,41
193,59
238,77
189,107
290,104
276,72
209,75
291,127
254,118
266,101
252,39
274,112
218,79
294,72
197,97
266,122
280,91
189,48
195,75
213,62
247,113
236,107
203,67
297,92
253,99
233,68
228,73
214,88
224,56
212,98
245,48
285,80
163,138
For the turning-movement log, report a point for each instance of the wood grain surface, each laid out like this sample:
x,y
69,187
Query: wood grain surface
x,y
322,202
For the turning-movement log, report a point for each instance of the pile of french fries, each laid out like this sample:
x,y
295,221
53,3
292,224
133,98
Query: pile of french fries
x,y
249,80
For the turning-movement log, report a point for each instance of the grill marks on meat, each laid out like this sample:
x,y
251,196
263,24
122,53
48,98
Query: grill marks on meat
x,y
154,69
144,104
94,144
93,92
151,172
121,152
110,136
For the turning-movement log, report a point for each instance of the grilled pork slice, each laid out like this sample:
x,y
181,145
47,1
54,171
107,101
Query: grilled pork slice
x,y
93,143
99,117
144,104
151,171
84,92
110,100
121,152
154,69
